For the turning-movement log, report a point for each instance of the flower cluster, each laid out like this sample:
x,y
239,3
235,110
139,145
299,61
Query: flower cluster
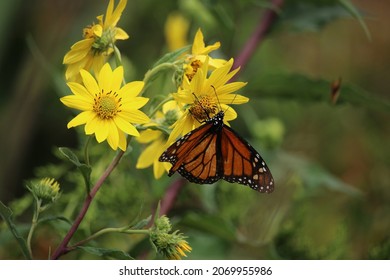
x,y
109,109
204,90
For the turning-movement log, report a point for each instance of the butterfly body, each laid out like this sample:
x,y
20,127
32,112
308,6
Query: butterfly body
x,y
214,151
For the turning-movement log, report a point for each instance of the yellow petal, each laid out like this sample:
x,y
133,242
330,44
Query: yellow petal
x,y
198,44
112,136
233,99
149,155
230,113
184,96
131,89
230,88
133,104
78,51
73,71
125,126
198,47
220,75
117,78
78,89
149,135
120,34
81,118
110,9
122,141
89,82
134,116
101,129
77,102
158,169
97,63
105,78
112,17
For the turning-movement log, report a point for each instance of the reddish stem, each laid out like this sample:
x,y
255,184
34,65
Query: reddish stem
x,y
170,195
63,247
265,24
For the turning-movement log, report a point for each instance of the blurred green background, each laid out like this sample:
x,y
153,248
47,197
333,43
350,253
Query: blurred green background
x,y
330,162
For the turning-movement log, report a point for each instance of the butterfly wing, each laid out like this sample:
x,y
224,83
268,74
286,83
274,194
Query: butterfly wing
x,y
195,155
243,164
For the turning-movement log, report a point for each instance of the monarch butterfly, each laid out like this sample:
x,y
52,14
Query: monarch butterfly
x,y
214,151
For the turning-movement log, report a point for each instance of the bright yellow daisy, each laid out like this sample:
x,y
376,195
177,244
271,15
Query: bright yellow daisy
x,y
198,56
108,109
204,96
92,52
157,139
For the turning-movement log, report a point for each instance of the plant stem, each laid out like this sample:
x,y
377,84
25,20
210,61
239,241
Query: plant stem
x,y
151,74
109,230
34,223
63,247
257,37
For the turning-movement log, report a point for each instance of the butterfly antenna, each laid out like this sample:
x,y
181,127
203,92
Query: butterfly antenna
x,y
216,95
219,103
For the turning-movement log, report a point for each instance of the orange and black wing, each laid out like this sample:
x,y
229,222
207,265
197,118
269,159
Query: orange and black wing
x,y
243,164
194,155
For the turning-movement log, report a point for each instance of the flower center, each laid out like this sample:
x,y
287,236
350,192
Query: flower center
x,y
88,32
106,105
192,68
203,108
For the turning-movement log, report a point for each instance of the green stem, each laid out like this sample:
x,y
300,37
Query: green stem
x,y
63,247
110,230
155,109
86,151
118,60
152,73
34,223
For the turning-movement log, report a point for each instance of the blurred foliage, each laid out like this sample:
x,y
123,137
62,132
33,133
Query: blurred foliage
x,y
330,161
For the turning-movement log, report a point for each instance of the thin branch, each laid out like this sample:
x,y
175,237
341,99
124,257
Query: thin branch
x,y
63,247
171,194
266,22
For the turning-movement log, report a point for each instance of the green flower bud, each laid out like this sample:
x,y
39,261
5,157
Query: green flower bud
x,y
46,189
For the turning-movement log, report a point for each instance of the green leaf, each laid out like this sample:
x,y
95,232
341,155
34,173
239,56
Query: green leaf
x,y
141,224
106,253
301,88
70,155
86,172
6,214
314,176
172,56
303,15
83,168
357,15
308,15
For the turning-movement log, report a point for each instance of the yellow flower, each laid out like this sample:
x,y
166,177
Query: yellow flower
x,y
176,30
205,96
158,139
97,45
108,109
199,54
